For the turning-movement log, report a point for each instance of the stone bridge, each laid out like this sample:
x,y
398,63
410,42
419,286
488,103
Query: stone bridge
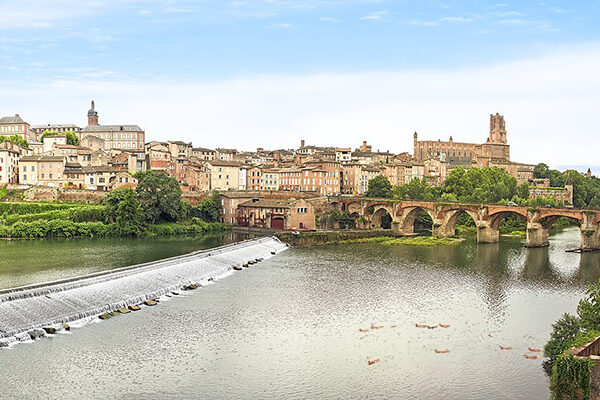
x,y
487,218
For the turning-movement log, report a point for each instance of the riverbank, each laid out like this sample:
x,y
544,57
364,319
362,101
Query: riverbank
x,y
408,241
22,220
384,236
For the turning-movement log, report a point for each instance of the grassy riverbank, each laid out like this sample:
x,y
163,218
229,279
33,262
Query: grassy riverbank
x,y
408,241
25,220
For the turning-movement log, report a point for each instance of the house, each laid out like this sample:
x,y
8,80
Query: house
x,y
99,177
224,175
276,214
203,154
270,179
9,163
122,180
50,141
42,170
16,126
231,200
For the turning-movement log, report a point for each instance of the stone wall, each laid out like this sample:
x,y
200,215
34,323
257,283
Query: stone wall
x,y
44,193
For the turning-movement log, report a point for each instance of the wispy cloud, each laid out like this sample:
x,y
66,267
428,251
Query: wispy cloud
x,y
374,16
329,19
440,21
283,25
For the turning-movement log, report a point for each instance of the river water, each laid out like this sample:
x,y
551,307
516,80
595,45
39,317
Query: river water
x,y
288,328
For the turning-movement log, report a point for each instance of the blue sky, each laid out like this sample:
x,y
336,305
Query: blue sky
x,y
328,71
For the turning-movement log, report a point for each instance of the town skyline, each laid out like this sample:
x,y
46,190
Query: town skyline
x,y
287,70
322,143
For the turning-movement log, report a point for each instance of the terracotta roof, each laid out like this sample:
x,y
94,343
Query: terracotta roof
x,y
268,203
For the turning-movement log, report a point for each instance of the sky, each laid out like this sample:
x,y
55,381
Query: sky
x,y
268,73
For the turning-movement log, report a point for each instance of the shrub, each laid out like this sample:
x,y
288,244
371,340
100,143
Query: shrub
x,y
564,332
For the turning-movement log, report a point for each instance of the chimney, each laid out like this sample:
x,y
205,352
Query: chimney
x,y
301,143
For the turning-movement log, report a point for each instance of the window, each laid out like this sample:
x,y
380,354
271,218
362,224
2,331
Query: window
x,y
24,177
50,175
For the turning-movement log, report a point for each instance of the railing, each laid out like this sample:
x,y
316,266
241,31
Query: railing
x,y
589,349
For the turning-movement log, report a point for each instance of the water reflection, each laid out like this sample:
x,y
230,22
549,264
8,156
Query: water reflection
x,y
32,261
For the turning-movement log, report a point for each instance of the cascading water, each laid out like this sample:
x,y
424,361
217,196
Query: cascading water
x,y
24,310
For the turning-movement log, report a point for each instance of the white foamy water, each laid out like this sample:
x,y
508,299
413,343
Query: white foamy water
x,y
25,309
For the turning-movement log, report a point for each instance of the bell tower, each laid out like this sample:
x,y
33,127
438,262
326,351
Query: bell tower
x,y
93,115
497,129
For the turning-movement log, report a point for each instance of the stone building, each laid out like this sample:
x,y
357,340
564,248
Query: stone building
x,y
126,137
496,146
9,163
276,214
495,152
10,126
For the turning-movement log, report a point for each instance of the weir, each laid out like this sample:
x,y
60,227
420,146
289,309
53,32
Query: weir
x,y
26,308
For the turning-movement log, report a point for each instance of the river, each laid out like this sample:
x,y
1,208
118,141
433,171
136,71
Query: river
x,y
289,327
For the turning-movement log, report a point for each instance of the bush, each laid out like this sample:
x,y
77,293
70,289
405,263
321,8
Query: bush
x,y
34,208
564,332
88,213
56,228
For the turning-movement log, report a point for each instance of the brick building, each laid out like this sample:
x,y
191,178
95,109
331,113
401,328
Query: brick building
x,y
126,137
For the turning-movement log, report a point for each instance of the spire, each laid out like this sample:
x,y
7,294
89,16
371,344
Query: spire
x,y
92,115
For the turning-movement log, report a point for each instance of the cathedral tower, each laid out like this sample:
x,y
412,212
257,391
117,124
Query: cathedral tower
x,y
497,129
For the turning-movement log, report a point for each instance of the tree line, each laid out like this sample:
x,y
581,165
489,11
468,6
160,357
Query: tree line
x,y
490,185
156,199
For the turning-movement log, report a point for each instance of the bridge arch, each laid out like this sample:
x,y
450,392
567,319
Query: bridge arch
x,y
451,217
354,207
336,205
408,215
497,218
381,218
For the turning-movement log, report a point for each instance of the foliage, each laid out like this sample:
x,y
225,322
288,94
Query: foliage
x,y
588,308
129,215
112,200
343,218
68,229
211,208
416,189
564,332
571,378
379,187
33,208
87,213
160,196
72,138
16,139
542,171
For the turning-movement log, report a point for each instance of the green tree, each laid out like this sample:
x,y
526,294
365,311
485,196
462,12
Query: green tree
x,y
418,189
16,139
72,138
379,187
541,171
563,334
211,207
112,201
523,191
160,196
588,308
129,215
